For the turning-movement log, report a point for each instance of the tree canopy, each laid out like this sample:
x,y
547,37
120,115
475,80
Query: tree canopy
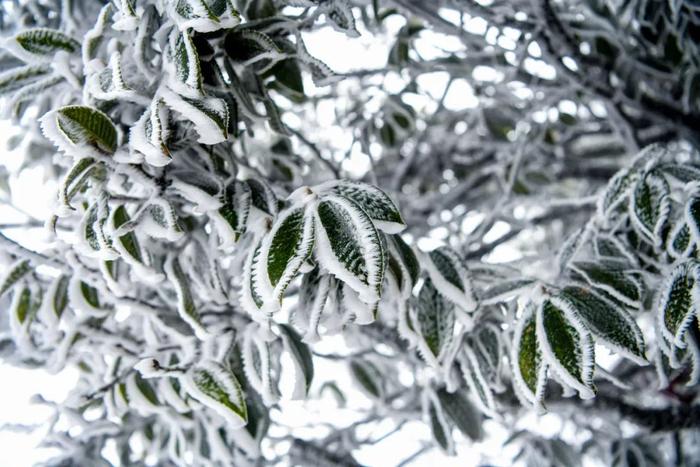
x,y
497,223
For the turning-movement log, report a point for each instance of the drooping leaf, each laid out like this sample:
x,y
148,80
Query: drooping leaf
x,y
435,417
650,206
349,247
149,134
262,196
529,368
216,387
566,347
408,258
301,355
368,377
449,273
459,409
478,386
617,191
188,71
186,307
677,302
257,364
372,200
74,180
435,320
55,301
313,296
506,290
340,16
15,272
288,245
609,323
231,219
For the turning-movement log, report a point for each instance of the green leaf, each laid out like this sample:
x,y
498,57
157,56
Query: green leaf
x,y
408,258
368,377
288,245
301,355
205,15
529,369
55,301
440,430
74,181
377,204
40,44
17,78
262,196
435,321
149,134
609,323
478,386
450,275
677,300
680,242
22,305
459,409
14,274
349,247
613,279
566,347
187,66
244,45
186,307
650,206
217,388
231,219
255,286
75,126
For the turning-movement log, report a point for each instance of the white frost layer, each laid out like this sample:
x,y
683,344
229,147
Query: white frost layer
x,y
209,132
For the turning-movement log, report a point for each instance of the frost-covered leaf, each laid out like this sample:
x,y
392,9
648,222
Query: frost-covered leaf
x,y
210,115
76,127
650,206
262,196
255,285
149,134
608,247
231,219
186,307
617,191
74,181
677,300
506,290
159,220
435,417
529,368
85,299
692,220
613,279
248,45
203,15
188,72
368,377
17,78
130,249
93,238
476,381
462,413
567,348
285,249
435,321
313,297
348,246
200,188
109,84
609,323
340,16
216,387
257,363
40,44
407,257
378,206
55,301
449,273
321,74
15,272
301,356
